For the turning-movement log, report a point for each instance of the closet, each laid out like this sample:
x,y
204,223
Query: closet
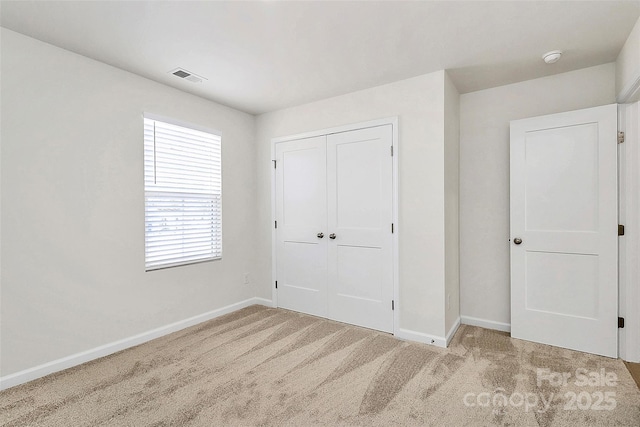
x,y
334,226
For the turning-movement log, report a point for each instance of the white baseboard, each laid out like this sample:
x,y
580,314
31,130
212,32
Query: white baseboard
x,y
36,372
263,301
407,334
452,331
483,323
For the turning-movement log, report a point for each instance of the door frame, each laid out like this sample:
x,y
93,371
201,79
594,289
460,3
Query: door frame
x,y
393,121
629,244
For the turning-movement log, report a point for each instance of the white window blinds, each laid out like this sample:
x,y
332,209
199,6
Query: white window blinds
x,y
183,195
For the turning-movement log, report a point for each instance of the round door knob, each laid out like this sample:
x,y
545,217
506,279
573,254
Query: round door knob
x,y
332,236
320,235
517,240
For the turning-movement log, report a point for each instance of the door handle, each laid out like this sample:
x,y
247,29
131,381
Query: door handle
x,y
320,235
517,240
332,236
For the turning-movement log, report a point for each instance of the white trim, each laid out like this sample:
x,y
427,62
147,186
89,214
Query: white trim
x,y
337,129
176,122
395,242
452,331
274,260
393,121
629,245
622,200
39,371
406,334
487,324
629,91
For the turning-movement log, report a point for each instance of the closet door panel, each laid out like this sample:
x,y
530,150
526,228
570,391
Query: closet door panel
x,y
301,214
359,204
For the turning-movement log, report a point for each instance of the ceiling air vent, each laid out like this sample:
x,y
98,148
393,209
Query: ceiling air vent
x,y
187,75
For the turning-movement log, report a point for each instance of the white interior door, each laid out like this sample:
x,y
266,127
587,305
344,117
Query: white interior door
x,y
301,213
359,188
564,277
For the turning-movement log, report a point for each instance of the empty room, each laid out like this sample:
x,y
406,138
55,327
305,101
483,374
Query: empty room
x,y
294,213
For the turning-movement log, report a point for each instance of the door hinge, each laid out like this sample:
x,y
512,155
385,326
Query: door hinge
x,y
620,137
620,230
276,284
392,305
621,322
274,163
392,151
276,224
392,227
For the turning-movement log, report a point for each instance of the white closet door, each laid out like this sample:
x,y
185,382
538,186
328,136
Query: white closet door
x,y
301,213
359,188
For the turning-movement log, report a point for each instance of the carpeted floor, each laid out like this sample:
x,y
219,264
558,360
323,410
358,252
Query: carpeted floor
x,y
272,367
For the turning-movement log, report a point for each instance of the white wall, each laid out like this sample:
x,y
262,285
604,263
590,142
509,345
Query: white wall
x,y
628,67
484,176
451,204
419,105
73,202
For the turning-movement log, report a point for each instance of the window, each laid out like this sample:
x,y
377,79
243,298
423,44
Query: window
x,y
182,193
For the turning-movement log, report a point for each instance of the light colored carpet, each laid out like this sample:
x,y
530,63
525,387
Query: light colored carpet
x,y
272,367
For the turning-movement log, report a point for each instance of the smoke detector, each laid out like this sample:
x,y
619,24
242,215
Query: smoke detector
x,y
187,75
552,57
